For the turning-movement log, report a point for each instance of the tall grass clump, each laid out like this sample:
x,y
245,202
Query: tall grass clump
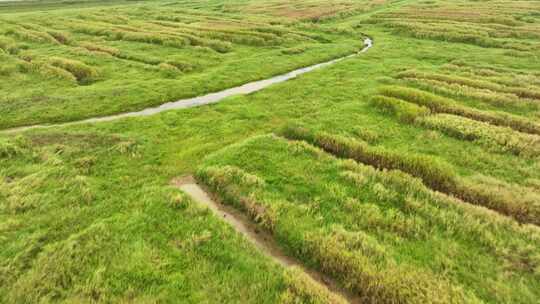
x,y
507,77
53,72
301,288
8,46
165,38
8,69
354,258
362,263
45,69
501,138
486,69
434,102
294,50
9,149
151,38
223,180
442,33
462,91
519,202
240,37
183,66
32,36
433,172
404,111
137,57
100,48
475,83
318,195
60,37
474,219
168,71
217,45
82,72
135,36
440,104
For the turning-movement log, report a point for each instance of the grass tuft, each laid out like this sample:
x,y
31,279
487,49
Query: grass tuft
x,y
222,179
522,203
358,259
500,138
301,288
8,46
9,149
438,104
82,72
404,111
294,50
432,171
32,36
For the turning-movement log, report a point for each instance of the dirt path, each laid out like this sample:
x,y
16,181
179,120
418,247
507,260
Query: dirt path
x,y
205,99
262,240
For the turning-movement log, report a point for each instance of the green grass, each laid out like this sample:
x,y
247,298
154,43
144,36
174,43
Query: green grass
x,y
381,233
491,136
433,172
66,238
148,54
440,104
87,213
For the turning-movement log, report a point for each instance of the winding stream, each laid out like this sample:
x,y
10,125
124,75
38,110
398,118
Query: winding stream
x,y
205,99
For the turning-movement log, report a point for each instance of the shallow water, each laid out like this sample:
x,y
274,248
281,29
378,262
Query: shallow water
x,y
209,98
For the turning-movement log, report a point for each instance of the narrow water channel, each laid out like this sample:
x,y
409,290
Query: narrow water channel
x,y
205,99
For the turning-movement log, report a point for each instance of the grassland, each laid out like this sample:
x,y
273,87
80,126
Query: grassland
x,y
113,59
409,174
356,223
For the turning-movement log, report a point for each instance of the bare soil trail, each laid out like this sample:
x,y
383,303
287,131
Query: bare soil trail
x,y
261,239
245,89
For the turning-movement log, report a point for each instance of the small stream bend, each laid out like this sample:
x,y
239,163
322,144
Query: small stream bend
x,y
244,89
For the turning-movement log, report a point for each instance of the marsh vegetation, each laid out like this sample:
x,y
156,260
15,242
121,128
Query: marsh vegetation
x,y
407,174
